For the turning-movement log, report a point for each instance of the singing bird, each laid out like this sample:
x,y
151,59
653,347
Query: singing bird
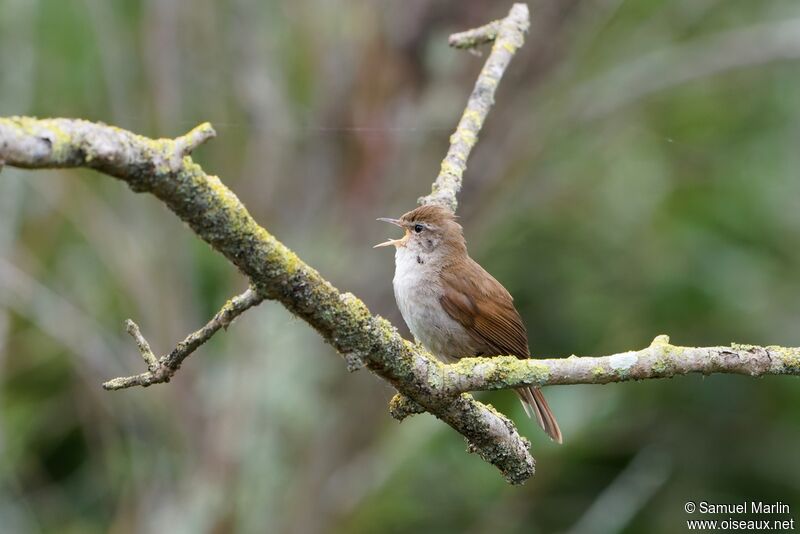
x,y
452,305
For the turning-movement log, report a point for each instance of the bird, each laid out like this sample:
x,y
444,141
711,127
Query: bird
x,y
452,305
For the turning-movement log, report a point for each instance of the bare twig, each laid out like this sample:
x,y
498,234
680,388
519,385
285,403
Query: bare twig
x,y
185,144
475,37
508,35
162,369
144,347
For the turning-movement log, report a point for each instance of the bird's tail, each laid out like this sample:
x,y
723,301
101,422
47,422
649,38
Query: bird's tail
x,y
535,405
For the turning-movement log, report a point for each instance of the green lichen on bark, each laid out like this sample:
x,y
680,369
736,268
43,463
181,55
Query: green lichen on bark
x,y
164,168
660,366
508,35
502,372
789,358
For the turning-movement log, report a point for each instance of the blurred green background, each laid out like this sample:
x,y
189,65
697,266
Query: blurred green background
x,y
637,176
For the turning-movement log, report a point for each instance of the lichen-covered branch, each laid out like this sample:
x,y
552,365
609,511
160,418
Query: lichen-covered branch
x,y
217,216
659,360
508,35
162,369
477,36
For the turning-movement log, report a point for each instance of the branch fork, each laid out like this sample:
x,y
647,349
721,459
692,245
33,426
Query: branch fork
x,y
508,35
185,144
162,369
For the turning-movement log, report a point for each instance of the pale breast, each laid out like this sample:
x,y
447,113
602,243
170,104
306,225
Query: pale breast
x,y
417,290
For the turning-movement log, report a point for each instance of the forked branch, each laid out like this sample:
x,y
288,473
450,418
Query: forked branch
x,y
508,35
217,216
161,369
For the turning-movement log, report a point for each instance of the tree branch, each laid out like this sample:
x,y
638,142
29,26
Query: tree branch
x,y
508,35
162,369
469,39
659,360
217,216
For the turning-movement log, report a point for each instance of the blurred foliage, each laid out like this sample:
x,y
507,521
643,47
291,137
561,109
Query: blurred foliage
x,y
636,177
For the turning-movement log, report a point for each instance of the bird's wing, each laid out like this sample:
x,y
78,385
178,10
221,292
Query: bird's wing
x,y
485,309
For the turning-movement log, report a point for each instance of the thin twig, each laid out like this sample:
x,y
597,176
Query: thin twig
x,y
475,37
508,35
144,347
185,144
162,369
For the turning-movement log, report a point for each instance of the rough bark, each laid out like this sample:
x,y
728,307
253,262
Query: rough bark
x,y
163,168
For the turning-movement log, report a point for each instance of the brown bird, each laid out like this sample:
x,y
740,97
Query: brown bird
x,y
452,305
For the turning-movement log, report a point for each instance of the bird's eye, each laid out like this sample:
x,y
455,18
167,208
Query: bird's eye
x,y
418,228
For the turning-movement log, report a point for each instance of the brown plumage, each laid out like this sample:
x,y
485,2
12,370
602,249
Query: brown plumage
x,y
453,306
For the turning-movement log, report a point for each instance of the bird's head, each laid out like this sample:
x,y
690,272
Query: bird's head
x,y
428,229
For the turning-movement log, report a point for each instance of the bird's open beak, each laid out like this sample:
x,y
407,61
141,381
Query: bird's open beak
x,y
396,242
